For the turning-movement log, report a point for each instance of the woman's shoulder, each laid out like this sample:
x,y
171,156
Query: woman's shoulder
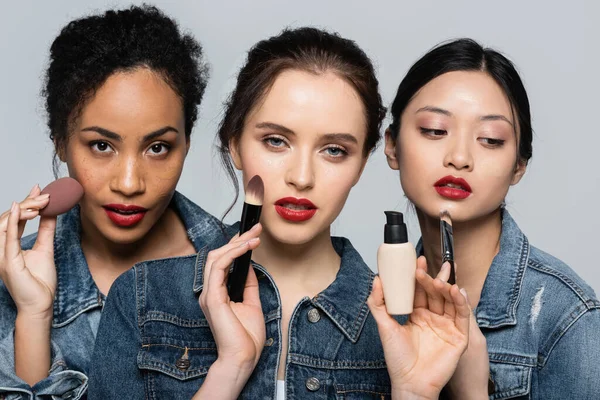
x,y
547,271
554,299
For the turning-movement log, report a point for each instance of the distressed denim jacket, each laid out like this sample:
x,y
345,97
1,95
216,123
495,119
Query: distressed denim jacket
x,y
77,307
155,343
541,322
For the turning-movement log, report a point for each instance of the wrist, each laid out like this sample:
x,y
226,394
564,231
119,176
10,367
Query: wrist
x,y
35,320
410,394
232,373
467,392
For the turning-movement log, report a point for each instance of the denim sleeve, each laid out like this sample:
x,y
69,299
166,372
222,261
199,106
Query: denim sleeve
x,y
113,370
61,383
573,366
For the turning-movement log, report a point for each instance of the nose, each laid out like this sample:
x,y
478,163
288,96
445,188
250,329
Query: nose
x,y
301,172
128,177
459,153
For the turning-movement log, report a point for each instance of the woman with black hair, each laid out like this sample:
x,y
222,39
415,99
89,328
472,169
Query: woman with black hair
x,y
122,91
461,136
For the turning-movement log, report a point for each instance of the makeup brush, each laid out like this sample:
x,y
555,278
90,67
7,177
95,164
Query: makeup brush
x,y
447,237
255,192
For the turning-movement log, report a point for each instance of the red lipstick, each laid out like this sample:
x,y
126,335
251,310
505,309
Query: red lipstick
x,y
295,210
453,188
124,215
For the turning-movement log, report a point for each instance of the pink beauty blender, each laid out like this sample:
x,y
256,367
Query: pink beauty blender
x,y
65,193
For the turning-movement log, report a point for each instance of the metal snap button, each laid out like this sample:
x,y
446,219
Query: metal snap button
x,y
269,342
313,384
314,315
183,363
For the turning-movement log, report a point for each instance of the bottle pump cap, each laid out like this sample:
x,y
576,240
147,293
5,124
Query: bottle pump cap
x,y
395,228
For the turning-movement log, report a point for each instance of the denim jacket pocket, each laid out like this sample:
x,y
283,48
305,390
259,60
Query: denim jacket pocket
x,y
177,360
362,391
511,375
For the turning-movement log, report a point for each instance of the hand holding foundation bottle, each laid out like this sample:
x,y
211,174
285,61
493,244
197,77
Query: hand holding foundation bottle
x,y
422,355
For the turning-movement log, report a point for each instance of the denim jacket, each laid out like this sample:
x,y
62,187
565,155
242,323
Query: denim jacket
x,y
77,307
541,322
155,343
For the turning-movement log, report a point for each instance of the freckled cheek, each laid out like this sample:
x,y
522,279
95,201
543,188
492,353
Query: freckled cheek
x,y
90,175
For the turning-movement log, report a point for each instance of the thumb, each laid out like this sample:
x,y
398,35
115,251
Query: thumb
x,y
45,237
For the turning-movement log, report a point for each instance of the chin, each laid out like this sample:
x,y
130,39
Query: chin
x,y
292,234
460,211
125,236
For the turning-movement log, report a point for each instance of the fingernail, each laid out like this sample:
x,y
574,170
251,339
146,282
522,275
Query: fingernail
x,y
43,196
13,207
445,266
253,241
464,293
32,189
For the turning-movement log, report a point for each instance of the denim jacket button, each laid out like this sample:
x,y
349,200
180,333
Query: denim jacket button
x,y
313,384
314,315
182,364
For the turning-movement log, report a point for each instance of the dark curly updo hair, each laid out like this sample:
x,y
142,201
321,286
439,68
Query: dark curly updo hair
x,y
89,50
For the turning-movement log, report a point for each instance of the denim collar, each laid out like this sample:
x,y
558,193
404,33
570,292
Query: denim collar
x,y
76,291
502,287
344,301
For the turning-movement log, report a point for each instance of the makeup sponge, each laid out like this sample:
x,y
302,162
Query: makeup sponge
x,y
65,193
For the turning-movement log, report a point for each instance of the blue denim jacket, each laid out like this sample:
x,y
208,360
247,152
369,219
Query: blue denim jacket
x,y
155,343
77,307
541,322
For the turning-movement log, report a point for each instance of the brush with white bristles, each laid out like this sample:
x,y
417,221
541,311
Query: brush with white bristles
x,y
255,192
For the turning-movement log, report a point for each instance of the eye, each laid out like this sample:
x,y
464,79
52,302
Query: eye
x,y
435,133
336,151
159,149
491,142
274,142
100,146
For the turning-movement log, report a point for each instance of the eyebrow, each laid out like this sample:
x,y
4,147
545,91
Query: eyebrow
x,y
275,127
343,137
115,136
436,110
491,117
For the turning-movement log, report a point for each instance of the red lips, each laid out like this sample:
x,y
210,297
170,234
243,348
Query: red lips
x,y
295,210
453,188
125,215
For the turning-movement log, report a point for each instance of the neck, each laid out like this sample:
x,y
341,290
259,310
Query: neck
x,y
309,267
476,243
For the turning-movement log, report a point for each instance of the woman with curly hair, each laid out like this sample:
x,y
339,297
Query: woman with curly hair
x,y
122,90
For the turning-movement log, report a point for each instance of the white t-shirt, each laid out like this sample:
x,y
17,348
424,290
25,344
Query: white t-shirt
x,y
280,390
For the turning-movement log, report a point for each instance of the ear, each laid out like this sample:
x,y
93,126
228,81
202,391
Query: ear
x,y
187,144
390,150
234,152
520,169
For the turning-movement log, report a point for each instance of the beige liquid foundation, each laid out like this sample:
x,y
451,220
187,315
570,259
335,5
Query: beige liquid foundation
x,y
396,264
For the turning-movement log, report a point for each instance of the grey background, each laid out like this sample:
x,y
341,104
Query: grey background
x,y
555,47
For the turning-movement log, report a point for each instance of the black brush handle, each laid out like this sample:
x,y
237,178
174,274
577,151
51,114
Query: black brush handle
x,y
237,277
448,249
